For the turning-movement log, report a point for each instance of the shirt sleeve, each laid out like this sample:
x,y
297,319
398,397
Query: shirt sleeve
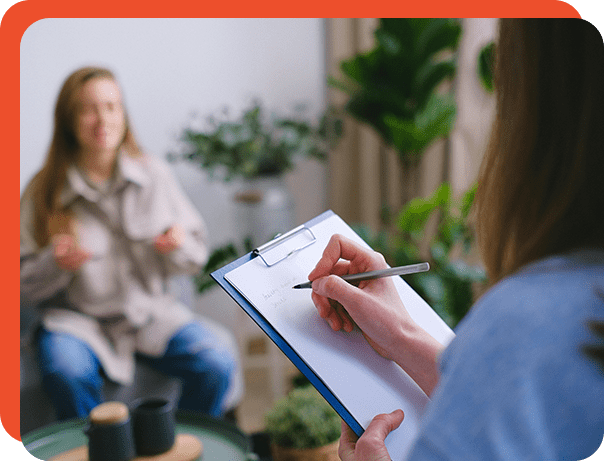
x,y
191,256
514,384
40,276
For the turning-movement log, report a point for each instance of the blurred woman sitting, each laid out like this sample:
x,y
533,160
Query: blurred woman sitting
x,y
103,227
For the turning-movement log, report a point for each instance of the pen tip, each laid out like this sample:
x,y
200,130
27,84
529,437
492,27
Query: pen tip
x,y
296,286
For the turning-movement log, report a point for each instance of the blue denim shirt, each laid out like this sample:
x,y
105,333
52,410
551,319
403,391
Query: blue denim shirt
x,y
514,382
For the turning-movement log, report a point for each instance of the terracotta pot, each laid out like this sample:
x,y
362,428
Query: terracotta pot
x,y
324,453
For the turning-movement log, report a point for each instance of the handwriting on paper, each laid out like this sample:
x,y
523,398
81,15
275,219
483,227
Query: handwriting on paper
x,y
274,296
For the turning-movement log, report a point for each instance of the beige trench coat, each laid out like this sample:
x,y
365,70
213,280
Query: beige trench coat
x,y
117,301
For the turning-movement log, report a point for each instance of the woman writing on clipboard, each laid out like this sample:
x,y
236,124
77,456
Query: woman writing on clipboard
x,y
514,383
103,226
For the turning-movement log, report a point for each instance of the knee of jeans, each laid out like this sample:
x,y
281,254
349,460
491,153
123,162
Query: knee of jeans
x,y
220,364
72,371
224,365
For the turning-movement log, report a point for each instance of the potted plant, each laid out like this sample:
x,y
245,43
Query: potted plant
x,y
218,258
302,426
449,287
396,86
258,150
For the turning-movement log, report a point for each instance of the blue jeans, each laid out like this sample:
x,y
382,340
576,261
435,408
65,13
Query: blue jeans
x,y
71,372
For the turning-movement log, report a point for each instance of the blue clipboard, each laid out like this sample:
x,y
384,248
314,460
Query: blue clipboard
x,y
292,355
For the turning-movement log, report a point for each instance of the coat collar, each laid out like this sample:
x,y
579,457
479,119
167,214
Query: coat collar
x,y
128,169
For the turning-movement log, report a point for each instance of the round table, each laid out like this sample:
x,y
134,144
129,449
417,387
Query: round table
x,y
221,440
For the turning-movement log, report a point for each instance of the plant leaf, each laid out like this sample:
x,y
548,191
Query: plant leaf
x,y
429,76
413,136
486,62
415,214
437,35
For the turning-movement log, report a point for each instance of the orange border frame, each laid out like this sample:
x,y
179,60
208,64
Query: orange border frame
x,y
23,14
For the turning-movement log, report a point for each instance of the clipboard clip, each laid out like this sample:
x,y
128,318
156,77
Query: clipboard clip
x,y
302,236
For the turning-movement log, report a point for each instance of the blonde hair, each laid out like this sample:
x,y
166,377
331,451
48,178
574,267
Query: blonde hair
x,y
49,215
541,184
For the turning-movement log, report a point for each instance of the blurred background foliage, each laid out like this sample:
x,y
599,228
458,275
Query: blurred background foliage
x,y
400,89
451,284
486,61
256,145
393,87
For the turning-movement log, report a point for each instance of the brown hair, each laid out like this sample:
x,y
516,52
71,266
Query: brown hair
x,y
541,184
49,216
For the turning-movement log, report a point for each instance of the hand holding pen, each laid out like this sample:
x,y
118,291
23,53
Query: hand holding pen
x,y
374,306
340,302
355,279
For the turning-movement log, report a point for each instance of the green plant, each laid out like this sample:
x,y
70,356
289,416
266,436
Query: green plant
x,y
486,61
253,146
218,258
393,87
302,419
449,285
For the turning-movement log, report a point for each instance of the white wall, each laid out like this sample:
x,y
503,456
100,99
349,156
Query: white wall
x,y
171,68
475,105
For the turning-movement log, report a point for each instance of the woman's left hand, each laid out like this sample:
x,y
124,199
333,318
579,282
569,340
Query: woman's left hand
x,y
370,446
170,240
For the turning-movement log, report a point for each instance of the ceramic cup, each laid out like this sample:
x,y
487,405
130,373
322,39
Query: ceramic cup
x,y
110,433
153,426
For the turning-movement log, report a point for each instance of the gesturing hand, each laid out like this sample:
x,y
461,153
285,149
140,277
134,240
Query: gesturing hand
x,y
68,254
370,446
169,240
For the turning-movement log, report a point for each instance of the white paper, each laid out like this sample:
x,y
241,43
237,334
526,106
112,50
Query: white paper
x,y
363,381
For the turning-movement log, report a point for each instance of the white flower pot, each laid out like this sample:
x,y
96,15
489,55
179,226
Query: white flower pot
x,y
263,209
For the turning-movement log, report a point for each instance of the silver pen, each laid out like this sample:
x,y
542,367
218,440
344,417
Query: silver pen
x,y
371,275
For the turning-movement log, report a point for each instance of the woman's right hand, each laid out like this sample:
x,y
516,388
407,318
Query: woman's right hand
x,y
68,254
375,307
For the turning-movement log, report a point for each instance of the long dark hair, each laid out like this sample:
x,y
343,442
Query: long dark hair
x,y
541,184
49,216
